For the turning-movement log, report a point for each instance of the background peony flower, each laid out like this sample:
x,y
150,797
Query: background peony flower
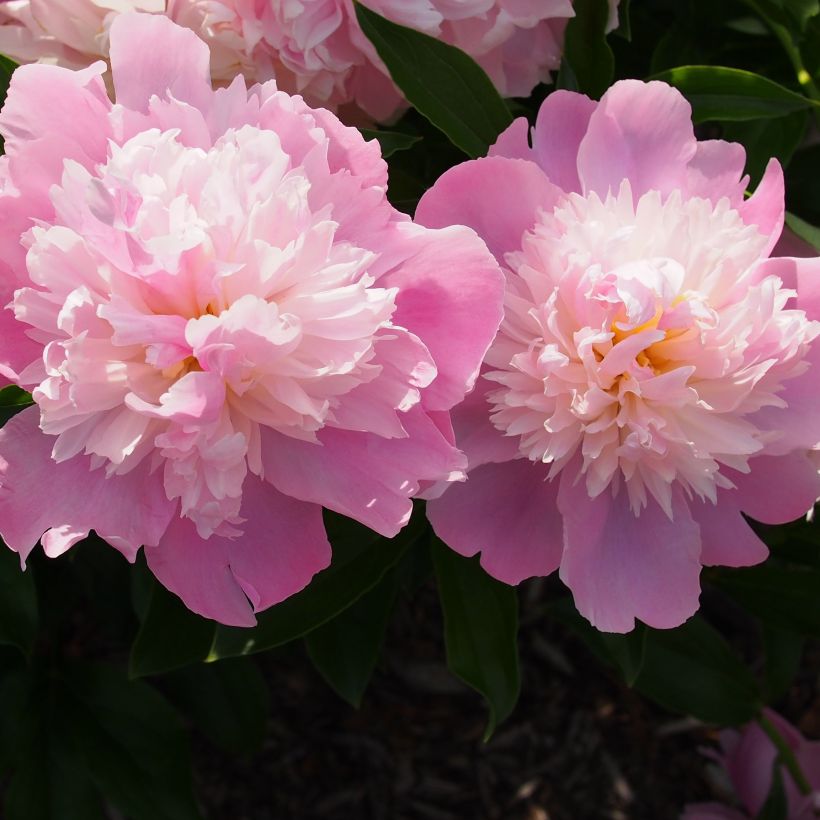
x,y
223,323
311,47
748,757
655,374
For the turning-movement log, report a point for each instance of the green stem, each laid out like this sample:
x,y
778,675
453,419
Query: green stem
x,y
803,77
786,755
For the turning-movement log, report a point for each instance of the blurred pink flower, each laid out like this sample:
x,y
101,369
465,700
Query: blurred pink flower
x,y
223,322
748,758
311,47
654,376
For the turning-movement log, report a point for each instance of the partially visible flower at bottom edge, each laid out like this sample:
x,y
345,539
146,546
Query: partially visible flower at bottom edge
x,y
748,756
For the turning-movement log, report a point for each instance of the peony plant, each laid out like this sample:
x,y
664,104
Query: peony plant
x,y
224,324
654,378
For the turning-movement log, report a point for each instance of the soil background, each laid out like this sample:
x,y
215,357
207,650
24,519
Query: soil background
x,y
580,745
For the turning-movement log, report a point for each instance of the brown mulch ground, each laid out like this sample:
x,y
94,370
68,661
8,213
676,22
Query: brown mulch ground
x,y
580,745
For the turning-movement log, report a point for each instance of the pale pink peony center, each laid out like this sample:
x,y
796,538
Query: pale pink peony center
x,y
639,341
186,298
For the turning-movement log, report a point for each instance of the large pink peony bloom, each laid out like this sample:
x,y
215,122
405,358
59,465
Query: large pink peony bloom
x,y
312,47
654,376
748,758
223,322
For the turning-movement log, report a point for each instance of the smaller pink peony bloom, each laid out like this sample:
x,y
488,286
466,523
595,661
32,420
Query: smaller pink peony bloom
x,y
311,47
748,757
655,375
223,322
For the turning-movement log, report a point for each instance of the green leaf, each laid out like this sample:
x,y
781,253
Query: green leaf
x,y
781,596
7,67
624,21
18,603
776,806
480,630
131,743
721,93
778,137
360,560
693,670
808,233
345,649
170,636
391,141
12,401
445,85
227,700
627,651
784,653
586,50
50,781
794,14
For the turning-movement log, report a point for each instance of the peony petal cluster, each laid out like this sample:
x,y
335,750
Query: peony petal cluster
x,y
748,758
654,378
224,324
311,47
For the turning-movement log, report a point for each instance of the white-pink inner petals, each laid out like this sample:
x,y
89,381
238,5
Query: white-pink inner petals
x,y
640,339
187,296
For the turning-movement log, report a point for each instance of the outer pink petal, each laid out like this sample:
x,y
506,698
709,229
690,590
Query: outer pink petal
x,y
475,435
621,567
715,172
198,571
284,544
150,55
508,513
17,350
641,132
498,197
450,295
282,547
68,499
362,475
513,142
766,208
44,100
562,122
727,539
778,488
808,285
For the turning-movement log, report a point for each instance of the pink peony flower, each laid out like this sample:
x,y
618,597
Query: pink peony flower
x,y
654,376
311,47
748,758
223,323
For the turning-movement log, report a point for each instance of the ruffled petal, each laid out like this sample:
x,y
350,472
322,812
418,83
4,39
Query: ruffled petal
x,y
523,536
726,538
475,434
177,63
620,566
283,545
778,488
360,475
562,122
766,207
450,295
499,198
641,132
44,100
68,499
